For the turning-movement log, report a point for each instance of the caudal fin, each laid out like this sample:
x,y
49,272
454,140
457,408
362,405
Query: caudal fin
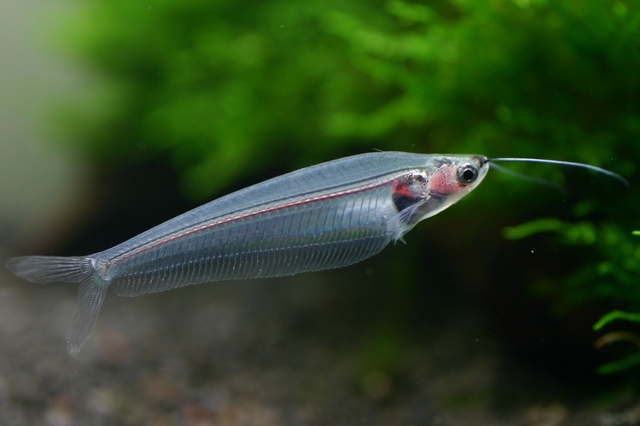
x,y
93,289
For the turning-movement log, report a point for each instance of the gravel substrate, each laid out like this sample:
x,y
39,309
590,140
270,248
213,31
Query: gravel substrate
x,y
272,352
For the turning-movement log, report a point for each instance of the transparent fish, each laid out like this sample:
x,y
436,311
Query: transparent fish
x,y
326,216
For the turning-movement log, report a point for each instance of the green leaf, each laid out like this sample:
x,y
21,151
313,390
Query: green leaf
x,y
616,315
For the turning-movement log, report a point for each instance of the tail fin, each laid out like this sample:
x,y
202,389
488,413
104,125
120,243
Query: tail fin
x,y
81,270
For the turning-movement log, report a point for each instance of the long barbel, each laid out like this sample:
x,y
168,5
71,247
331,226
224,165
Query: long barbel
x,y
325,216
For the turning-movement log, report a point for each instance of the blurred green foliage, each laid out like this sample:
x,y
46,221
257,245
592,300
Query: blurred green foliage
x,y
612,276
613,272
630,360
226,89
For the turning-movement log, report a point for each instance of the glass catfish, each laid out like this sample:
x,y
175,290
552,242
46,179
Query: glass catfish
x,y
326,216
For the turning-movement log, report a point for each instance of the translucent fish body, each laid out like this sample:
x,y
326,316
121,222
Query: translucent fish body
x,y
325,216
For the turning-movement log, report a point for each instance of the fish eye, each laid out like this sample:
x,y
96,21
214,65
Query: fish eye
x,y
467,174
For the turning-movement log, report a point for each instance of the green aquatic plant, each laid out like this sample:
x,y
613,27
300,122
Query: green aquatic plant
x,y
220,90
613,278
630,360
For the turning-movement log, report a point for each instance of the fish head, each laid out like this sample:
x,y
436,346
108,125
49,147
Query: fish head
x,y
443,181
